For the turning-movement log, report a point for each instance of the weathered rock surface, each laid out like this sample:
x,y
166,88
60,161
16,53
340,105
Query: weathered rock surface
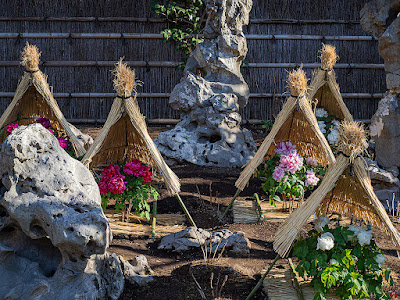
x,y
191,238
211,93
85,139
138,273
385,131
53,233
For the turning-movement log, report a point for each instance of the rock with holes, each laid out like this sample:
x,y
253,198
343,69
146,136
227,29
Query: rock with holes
x,y
184,240
235,242
138,273
53,233
211,94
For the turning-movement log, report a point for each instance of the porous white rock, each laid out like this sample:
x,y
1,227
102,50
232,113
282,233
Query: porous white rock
x,y
53,233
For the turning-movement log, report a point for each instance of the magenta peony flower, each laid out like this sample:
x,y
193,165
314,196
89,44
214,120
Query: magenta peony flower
x,y
291,162
110,171
311,161
11,127
285,148
311,179
147,175
45,122
278,173
103,186
117,185
132,167
62,142
51,131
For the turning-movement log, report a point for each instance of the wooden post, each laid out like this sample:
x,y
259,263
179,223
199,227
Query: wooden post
x,y
154,221
185,210
259,283
230,204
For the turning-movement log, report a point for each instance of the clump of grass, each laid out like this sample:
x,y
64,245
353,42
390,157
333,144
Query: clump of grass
x,y
297,82
328,56
30,57
124,79
353,138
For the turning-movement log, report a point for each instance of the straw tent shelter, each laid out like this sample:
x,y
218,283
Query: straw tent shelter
x,y
324,90
124,135
297,123
33,99
346,189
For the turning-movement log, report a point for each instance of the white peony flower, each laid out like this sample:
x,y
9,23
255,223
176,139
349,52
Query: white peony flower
x,y
333,262
322,125
380,259
326,241
364,237
333,136
321,222
356,229
321,113
336,124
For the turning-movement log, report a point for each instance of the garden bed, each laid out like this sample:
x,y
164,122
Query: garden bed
x,y
172,270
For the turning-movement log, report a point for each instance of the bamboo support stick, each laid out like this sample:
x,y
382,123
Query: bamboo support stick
x,y
299,291
259,283
154,221
185,210
260,213
173,64
230,204
69,35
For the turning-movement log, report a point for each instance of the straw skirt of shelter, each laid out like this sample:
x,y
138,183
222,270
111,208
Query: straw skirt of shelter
x,y
124,135
33,99
296,123
324,91
346,189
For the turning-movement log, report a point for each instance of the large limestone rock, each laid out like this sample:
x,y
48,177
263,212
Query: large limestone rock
x,y
53,233
381,18
212,92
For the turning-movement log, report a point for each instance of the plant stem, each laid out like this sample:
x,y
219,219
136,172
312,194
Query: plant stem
x,y
259,283
230,204
185,210
154,221
259,207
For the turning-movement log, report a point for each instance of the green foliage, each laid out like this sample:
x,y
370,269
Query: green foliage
x,y
184,19
266,125
137,193
348,269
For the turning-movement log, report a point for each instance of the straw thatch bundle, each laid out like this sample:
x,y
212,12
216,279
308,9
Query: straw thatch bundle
x,y
324,90
33,99
124,136
346,189
296,123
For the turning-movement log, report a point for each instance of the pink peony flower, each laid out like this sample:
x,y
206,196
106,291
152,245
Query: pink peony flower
x,y
311,161
45,122
62,142
117,185
291,162
11,127
311,179
132,167
285,148
103,186
278,173
51,131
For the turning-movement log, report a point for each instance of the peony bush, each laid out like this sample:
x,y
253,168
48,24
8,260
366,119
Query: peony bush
x,y
344,261
287,174
328,126
129,185
62,138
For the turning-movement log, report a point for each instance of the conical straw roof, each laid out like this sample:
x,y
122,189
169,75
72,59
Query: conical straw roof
x,y
345,189
324,90
296,123
33,99
124,136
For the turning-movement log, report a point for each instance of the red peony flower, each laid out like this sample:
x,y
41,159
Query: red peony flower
x,y
110,171
147,175
132,167
103,186
62,142
11,127
117,185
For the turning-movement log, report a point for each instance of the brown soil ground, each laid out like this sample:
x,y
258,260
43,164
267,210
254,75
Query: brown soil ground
x,y
173,279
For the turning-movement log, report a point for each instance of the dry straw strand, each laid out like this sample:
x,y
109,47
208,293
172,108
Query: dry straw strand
x,y
30,57
124,79
328,56
353,139
297,82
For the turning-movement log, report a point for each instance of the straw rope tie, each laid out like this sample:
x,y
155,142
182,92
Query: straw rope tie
x,y
123,97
